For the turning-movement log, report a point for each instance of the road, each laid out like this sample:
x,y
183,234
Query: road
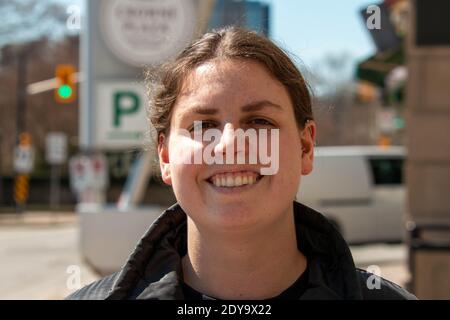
x,y
35,259
40,258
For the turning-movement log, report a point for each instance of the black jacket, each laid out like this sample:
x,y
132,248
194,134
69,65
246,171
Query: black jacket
x,y
153,270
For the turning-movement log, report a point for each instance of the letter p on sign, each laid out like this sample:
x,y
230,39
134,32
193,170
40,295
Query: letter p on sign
x,y
125,103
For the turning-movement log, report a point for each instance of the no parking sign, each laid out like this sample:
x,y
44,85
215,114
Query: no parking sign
x,y
88,172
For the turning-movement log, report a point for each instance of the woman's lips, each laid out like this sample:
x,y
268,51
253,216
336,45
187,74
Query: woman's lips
x,y
234,179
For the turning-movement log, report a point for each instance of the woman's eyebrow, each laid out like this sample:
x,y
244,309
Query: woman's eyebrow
x,y
250,107
197,109
259,105
203,110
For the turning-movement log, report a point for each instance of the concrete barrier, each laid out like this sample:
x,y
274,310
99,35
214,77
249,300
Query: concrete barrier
x,y
108,236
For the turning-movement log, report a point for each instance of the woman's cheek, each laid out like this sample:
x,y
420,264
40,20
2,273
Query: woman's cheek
x,y
290,162
181,150
183,185
183,175
184,150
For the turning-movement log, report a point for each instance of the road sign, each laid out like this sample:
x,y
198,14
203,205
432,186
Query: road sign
x,y
88,172
23,159
121,115
147,32
79,168
99,165
56,148
119,38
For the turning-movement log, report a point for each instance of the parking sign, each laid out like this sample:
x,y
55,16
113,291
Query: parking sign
x,y
56,148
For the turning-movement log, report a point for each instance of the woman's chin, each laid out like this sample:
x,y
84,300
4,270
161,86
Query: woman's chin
x,y
234,216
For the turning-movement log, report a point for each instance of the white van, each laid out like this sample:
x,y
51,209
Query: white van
x,y
360,189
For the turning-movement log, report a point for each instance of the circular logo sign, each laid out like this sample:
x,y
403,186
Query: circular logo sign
x,y
141,32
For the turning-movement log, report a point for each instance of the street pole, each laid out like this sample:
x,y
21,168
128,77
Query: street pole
x,y
55,186
21,90
21,181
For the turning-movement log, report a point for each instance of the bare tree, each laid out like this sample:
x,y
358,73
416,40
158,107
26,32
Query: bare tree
x,y
340,120
25,20
333,74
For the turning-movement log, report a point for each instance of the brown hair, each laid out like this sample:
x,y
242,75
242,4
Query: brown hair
x,y
228,43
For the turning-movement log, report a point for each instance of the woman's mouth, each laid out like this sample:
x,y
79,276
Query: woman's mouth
x,y
235,179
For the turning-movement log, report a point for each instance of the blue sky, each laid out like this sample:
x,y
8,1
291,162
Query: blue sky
x,y
313,28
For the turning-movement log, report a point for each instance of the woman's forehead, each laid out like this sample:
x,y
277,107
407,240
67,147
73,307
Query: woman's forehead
x,y
228,79
231,85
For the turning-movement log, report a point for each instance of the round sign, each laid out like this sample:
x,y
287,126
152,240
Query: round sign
x,y
141,32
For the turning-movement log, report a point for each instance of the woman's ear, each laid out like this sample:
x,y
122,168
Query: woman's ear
x,y
164,163
308,136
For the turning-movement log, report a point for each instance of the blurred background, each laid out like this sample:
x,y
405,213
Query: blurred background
x,y
78,173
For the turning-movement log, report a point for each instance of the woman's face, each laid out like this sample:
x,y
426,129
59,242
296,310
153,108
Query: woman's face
x,y
227,95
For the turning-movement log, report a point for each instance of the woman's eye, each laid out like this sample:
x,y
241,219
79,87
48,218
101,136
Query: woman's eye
x,y
202,125
261,122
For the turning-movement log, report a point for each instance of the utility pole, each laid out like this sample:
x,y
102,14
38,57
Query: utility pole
x,y
23,153
21,90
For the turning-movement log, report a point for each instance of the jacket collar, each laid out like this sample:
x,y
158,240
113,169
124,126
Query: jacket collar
x,y
153,270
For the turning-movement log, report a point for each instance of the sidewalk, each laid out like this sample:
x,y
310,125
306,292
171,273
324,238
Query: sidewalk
x,y
38,253
37,218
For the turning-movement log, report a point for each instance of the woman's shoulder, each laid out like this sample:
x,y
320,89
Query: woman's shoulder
x,y
374,287
97,290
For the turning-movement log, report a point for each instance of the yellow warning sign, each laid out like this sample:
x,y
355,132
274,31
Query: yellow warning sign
x,y
21,188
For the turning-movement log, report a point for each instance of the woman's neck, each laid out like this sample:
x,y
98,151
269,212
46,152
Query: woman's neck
x,y
248,266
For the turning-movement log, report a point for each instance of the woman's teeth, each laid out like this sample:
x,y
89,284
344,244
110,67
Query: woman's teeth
x,y
235,179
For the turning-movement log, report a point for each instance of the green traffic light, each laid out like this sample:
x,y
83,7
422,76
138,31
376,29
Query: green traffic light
x,y
65,91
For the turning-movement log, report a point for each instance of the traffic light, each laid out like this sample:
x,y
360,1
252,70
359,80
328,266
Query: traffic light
x,y
65,91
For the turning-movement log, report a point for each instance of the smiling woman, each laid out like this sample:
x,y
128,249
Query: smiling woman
x,y
236,231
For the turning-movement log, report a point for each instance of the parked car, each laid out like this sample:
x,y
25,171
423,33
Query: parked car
x,y
360,189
